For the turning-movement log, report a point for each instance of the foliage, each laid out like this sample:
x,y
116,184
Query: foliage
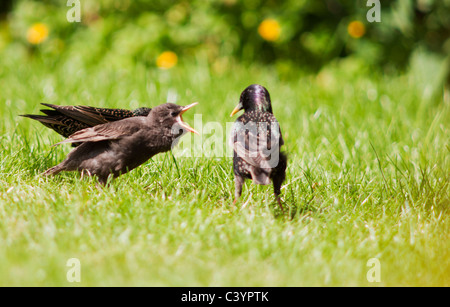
x,y
310,33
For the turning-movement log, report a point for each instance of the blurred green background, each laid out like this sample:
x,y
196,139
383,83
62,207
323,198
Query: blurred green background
x,y
300,33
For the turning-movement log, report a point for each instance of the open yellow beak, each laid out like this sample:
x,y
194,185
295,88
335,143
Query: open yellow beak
x,y
180,118
236,109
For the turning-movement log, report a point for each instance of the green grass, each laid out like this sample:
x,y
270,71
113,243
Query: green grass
x,y
368,177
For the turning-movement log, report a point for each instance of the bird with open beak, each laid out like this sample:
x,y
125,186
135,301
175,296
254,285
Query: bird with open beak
x,y
117,147
257,140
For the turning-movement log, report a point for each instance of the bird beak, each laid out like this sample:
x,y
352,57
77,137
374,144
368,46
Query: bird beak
x,y
180,118
236,109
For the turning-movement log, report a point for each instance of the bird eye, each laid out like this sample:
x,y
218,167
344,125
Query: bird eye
x,y
173,113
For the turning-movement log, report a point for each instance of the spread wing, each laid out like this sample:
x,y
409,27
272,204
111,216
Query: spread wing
x,y
109,131
91,116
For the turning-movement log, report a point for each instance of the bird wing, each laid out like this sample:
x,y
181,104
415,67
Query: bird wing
x,y
256,143
60,123
251,152
109,131
92,116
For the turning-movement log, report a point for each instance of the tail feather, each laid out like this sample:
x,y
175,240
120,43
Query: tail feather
x,y
259,175
50,112
53,106
43,119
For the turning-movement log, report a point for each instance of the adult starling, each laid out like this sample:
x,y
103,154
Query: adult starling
x,y
256,141
118,147
66,120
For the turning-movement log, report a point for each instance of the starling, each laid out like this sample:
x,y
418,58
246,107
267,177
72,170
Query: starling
x,y
118,147
256,140
66,120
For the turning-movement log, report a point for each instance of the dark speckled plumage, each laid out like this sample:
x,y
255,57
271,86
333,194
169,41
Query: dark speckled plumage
x,y
66,120
257,142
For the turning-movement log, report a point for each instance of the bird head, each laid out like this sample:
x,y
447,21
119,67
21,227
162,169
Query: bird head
x,y
254,97
171,115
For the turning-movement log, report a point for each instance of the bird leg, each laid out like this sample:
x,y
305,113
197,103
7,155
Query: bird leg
x,y
238,182
277,192
83,172
279,202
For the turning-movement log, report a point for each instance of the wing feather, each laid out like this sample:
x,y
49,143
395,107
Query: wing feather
x,y
109,131
91,116
256,143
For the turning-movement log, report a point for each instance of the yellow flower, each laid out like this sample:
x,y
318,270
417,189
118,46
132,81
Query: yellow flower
x,y
356,29
37,33
167,60
270,30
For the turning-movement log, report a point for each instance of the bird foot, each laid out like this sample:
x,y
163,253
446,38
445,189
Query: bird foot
x,y
280,204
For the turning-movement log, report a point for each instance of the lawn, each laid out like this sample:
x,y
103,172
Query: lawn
x,y
368,177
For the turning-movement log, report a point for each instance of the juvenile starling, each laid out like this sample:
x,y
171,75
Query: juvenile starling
x,y
256,141
67,120
116,148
